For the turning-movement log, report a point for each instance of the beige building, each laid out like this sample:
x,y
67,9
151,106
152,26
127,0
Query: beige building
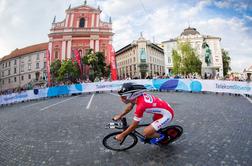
x,y
140,59
23,67
207,47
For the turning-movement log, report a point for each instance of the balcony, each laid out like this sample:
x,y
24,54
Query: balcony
x,y
79,30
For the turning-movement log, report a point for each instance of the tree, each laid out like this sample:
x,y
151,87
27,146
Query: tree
x,y
185,60
96,62
176,62
226,61
69,71
54,69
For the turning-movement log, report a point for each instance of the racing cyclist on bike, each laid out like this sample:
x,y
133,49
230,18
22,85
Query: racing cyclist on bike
x,y
134,94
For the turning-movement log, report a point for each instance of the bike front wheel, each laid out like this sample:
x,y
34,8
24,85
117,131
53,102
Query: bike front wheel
x,y
111,143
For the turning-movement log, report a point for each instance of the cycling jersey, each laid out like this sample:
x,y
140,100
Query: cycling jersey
x,y
163,113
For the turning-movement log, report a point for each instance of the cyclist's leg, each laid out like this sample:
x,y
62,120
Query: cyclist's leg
x,y
151,130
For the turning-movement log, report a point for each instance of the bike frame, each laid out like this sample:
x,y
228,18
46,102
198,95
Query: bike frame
x,y
139,135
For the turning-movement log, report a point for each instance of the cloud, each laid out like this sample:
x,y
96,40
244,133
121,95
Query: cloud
x,y
2,6
160,19
193,11
235,39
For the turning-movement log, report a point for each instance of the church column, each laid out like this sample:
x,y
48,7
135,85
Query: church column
x,y
50,51
92,22
97,45
92,44
71,20
67,18
69,43
63,51
97,20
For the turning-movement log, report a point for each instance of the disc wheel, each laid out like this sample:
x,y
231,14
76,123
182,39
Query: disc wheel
x,y
111,143
172,133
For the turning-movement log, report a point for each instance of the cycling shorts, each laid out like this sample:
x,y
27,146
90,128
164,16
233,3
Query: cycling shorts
x,y
162,122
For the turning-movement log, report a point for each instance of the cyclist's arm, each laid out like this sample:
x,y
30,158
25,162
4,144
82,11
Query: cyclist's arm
x,y
129,107
131,128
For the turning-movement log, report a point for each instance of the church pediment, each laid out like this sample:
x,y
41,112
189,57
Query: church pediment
x,y
84,8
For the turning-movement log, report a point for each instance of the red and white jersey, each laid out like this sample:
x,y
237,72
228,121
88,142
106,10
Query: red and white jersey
x,y
151,104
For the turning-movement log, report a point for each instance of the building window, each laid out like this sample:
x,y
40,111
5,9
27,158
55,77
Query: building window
x,y
56,55
29,66
6,64
9,80
82,23
169,60
15,70
3,66
29,58
37,56
15,79
37,65
3,82
9,64
29,76
44,64
22,68
22,78
15,62
8,72
2,74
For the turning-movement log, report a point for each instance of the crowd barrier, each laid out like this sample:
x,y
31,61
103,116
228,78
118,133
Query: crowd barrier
x,y
154,84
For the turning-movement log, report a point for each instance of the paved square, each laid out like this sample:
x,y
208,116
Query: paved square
x,y
64,131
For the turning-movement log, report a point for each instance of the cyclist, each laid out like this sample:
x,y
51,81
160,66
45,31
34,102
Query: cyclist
x,y
134,94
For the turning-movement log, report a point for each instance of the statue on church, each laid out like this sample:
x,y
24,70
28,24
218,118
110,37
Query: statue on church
x,y
208,53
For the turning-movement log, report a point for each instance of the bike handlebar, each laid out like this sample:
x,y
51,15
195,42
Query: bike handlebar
x,y
123,124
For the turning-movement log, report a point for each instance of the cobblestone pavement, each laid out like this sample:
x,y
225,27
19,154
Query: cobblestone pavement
x,y
62,131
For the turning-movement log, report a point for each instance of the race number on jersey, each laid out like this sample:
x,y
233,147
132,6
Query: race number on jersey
x,y
148,98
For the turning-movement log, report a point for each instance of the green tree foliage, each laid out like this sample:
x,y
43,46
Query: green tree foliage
x,y
226,61
176,62
96,62
54,69
68,71
185,60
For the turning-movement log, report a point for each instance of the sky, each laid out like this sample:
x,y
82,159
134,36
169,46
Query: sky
x,y
27,22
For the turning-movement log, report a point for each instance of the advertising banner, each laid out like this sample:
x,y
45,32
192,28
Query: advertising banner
x,y
156,84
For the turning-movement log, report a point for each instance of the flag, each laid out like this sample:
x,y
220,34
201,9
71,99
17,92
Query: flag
x,y
111,52
48,67
78,59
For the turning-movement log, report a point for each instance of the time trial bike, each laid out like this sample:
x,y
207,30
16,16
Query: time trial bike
x,y
172,133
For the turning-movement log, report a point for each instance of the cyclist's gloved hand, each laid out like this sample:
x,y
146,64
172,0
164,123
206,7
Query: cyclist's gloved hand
x,y
116,117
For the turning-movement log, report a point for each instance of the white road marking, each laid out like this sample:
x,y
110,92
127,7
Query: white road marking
x,y
57,103
114,94
89,103
247,98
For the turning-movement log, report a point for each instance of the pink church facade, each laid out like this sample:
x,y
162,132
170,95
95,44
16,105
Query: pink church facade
x,y
81,30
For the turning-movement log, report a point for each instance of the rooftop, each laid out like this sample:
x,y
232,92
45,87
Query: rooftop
x,y
26,50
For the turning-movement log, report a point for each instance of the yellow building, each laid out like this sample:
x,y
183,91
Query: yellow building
x,y
140,59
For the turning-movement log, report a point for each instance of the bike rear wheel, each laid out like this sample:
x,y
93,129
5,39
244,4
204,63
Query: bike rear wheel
x,y
111,143
172,133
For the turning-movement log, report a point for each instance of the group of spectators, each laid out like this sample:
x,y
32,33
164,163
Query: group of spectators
x,y
230,77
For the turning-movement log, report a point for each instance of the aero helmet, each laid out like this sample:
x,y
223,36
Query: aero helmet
x,y
131,90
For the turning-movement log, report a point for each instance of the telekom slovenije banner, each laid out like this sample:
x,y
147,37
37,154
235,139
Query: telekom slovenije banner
x,y
193,85
112,62
48,67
